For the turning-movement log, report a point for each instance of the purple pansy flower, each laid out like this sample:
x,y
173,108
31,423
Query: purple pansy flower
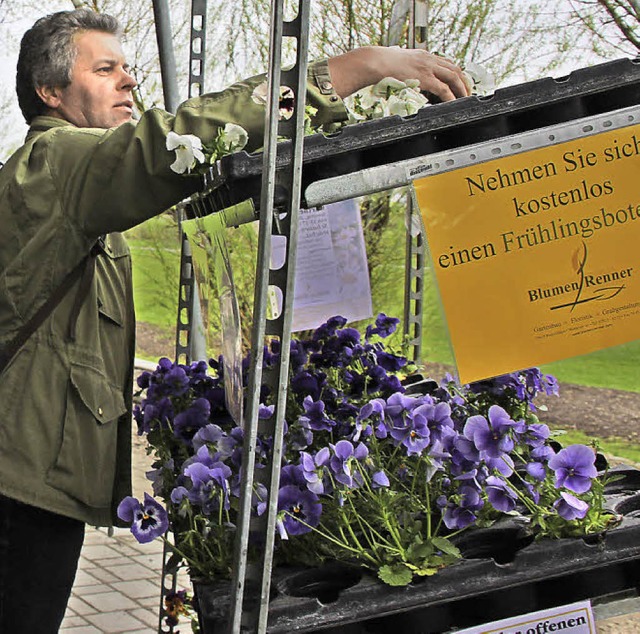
x,y
537,434
438,417
574,468
390,362
299,511
188,422
384,326
328,329
313,468
570,507
314,417
536,470
491,437
461,515
380,479
340,463
209,435
501,496
413,432
148,519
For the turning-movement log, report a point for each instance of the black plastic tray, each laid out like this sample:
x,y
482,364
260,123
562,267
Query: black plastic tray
x,y
524,107
519,577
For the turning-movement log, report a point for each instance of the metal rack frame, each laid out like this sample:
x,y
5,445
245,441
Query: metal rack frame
x,y
278,216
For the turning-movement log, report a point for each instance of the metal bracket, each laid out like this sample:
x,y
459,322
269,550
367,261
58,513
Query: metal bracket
x,y
251,579
402,173
415,243
187,294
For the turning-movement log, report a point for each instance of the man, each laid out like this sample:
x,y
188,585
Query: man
x,y
85,173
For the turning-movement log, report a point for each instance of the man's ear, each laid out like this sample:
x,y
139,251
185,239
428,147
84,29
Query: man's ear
x,y
50,95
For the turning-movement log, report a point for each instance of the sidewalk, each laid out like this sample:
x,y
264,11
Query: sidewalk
x,y
117,588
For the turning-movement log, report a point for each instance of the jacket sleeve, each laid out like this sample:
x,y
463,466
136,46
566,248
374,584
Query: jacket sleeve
x,y
112,180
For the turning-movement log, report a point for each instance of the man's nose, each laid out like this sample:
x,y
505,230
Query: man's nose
x,y
128,81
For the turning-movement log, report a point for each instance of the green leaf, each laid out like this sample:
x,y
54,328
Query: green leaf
x,y
398,575
419,551
426,572
443,544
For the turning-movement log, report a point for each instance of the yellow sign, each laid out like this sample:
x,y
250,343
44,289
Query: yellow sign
x,y
537,255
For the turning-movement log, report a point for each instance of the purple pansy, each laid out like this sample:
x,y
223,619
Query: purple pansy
x,y
537,434
314,417
491,437
313,468
299,511
384,326
344,453
501,496
411,431
438,417
574,468
536,470
380,480
463,514
188,422
148,519
390,362
209,435
569,507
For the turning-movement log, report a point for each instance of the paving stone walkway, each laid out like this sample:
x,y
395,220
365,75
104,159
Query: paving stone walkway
x,y
117,588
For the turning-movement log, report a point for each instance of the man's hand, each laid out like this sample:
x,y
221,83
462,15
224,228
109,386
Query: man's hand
x,y
366,66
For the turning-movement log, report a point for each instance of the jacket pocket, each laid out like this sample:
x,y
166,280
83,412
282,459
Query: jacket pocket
x,y
114,267
110,313
85,465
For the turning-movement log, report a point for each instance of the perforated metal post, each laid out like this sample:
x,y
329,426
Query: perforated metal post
x,y
251,579
189,343
415,244
198,47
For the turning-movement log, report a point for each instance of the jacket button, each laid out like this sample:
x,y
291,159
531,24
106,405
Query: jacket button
x,y
99,411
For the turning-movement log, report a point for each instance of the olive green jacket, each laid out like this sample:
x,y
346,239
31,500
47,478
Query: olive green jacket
x,y
65,405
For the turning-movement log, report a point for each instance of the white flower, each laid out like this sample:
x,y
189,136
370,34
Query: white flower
x,y
389,96
408,101
481,80
388,86
188,149
234,137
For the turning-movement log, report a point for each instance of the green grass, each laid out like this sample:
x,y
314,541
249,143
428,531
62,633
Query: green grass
x,y
155,252
617,367
617,447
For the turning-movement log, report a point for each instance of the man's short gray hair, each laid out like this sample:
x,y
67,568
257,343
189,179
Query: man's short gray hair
x,y
48,52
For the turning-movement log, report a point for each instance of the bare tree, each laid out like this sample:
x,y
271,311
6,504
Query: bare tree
x,y
612,23
515,39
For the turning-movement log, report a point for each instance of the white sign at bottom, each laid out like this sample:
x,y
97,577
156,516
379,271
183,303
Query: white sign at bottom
x,y
575,618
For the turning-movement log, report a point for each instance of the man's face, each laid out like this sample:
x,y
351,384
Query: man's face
x,y
99,95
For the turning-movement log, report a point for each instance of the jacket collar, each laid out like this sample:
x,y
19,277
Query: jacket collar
x,y
43,123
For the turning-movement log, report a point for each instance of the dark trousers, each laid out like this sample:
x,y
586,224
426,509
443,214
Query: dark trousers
x,y
39,554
